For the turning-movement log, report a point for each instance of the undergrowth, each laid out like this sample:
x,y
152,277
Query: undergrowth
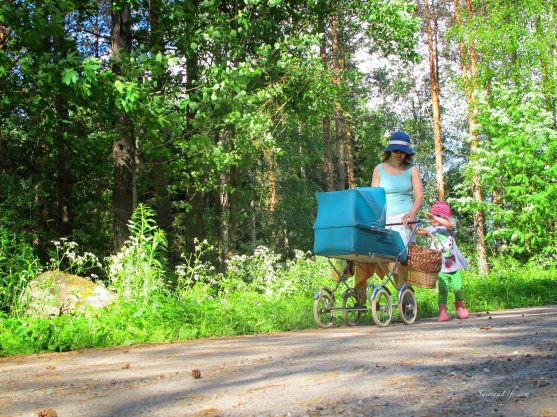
x,y
257,293
167,318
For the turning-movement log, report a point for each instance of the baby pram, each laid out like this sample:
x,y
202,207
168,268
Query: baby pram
x,y
350,226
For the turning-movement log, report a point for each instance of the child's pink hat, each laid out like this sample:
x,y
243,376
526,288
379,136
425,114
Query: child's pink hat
x,y
441,209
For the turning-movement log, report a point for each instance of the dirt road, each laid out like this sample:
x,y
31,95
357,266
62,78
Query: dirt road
x,y
493,364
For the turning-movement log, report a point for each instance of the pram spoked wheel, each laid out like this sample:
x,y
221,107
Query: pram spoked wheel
x,y
381,307
350,302
407,306
323,311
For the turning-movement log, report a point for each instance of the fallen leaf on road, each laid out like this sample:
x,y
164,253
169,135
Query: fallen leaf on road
x,y
47,412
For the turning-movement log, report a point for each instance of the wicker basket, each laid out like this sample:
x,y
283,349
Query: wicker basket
x,y
423,265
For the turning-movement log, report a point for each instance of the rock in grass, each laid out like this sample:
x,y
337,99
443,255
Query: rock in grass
x,y
54,293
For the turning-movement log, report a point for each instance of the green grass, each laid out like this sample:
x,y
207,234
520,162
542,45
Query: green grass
x,y
244,311
499,290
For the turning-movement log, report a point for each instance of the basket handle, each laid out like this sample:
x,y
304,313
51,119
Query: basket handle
x,y
432,238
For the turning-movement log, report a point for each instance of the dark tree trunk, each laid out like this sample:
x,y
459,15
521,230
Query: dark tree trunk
x,y
328,154
350,156
233,218
341,164
161,171
195,221
3,151
64,179
327,143
222,221
124,147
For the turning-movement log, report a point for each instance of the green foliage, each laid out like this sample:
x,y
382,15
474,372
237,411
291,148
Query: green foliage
x,y
18,265
517,159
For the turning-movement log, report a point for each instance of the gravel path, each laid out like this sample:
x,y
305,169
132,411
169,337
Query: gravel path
x,y
493,364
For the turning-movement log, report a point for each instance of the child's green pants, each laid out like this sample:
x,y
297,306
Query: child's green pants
x,y
453,279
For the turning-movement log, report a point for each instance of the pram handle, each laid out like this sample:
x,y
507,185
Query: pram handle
x,y
398,224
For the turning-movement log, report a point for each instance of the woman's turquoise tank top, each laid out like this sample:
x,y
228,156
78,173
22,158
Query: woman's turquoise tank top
x,y
398,190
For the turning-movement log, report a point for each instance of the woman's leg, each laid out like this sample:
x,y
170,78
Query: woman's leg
x,y
363,273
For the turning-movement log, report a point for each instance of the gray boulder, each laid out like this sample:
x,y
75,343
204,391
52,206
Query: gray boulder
x,y
54,293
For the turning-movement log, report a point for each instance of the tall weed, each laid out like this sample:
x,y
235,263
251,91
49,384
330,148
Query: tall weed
x,y
66,259
137,271
197,277
18,265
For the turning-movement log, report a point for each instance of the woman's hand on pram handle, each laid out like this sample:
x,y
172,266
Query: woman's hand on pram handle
x,y
409,217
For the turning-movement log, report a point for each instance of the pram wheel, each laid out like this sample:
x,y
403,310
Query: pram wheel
x,y
323,312
382,308
350,301
407,307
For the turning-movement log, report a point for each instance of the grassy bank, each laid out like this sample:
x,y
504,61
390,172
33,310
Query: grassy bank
x,y
269,298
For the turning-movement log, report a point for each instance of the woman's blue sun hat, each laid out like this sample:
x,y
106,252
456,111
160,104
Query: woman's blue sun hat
x,y
399,141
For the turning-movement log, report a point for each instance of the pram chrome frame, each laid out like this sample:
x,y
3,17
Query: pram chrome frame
x,y
379,295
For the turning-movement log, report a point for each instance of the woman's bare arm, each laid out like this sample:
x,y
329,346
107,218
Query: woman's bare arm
x,y
418,196
375,179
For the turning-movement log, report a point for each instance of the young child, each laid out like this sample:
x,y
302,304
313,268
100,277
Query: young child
x,y
452,260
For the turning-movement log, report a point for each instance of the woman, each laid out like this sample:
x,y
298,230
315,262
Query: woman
x,y
404,191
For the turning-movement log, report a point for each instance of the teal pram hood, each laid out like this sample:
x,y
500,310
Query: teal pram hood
x,y
350,225
363,207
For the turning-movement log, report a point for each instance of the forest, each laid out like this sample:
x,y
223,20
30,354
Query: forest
x,y
171,151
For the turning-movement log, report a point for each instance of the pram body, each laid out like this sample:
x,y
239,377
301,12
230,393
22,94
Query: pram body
x,y
350,225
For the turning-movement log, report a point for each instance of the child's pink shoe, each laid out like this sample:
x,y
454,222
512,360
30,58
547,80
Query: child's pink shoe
x,y
443,313
460,310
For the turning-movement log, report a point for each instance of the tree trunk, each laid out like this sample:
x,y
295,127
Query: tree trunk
x,y
350,156
498,241
253,214
483,267
272,179
233,216
64,178
195,221
327,144
222,219
328,155
160,172
548,66
341,164
436,107
124,147
3,151
272,190
338,113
